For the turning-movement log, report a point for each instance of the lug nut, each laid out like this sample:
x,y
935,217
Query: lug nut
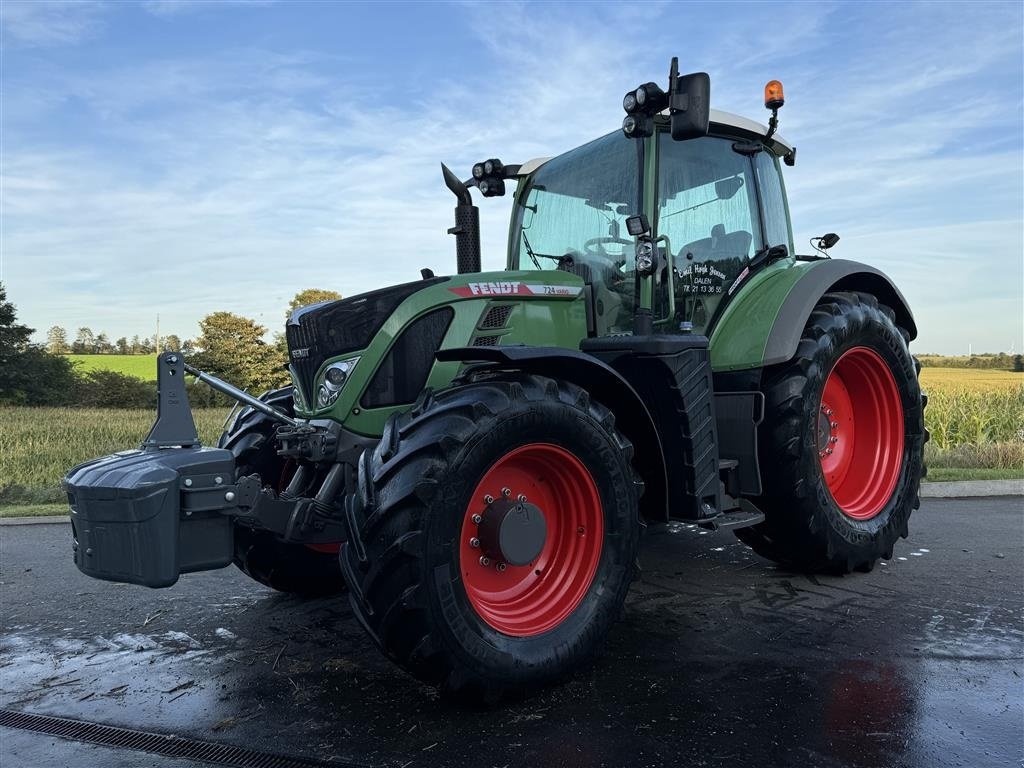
x,y
501,567
833,439
488,499
474,543
828,411
834,424
506,492
522,497
477,519
828,451
485,561
580,530
229,496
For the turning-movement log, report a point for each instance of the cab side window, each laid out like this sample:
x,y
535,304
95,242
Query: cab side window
x,y
708,211
773,198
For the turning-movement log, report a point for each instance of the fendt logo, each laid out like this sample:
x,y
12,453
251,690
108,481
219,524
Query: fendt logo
x,y
494,289
298,354
507,288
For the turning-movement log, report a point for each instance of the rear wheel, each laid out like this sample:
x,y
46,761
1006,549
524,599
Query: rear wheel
x,y
259,554
493,535
842,445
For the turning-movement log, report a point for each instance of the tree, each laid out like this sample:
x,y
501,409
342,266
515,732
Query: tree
x,y
188,347
103,345
85,342
147,347
135,347
311,296
233,349
122,346
172,343
29,375
57,341
1018,363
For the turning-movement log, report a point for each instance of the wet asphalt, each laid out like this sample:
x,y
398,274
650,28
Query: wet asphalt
x,y
722,659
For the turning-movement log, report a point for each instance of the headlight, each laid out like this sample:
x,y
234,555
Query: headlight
x,y
334,381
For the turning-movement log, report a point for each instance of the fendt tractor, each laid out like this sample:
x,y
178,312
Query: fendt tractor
x,y
474,457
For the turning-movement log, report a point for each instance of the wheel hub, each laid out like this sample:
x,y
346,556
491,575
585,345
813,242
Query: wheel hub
x,y
512,532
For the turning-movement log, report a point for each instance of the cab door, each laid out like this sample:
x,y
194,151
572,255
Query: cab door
x,y
709,225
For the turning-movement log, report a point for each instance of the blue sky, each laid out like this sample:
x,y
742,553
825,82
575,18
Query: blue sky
x,y
185,157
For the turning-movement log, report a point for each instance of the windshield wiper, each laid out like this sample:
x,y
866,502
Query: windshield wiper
x,y
566,259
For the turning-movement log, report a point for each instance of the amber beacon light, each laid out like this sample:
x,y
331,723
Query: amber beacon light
x,y
773,97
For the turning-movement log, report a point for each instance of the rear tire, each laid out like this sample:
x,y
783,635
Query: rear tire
x,y
417,582
259,554
842,446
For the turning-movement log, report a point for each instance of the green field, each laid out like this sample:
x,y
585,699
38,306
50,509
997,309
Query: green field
x,y
976,419
140,366
39,445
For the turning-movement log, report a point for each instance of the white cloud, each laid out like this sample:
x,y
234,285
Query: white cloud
x,y
49,22
232,180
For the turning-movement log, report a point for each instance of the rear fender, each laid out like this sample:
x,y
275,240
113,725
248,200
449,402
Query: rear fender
x,y
763,324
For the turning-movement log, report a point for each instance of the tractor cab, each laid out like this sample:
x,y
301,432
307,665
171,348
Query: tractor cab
x,y
713,207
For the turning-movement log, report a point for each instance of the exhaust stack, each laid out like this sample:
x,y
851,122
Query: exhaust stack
x,y
467,225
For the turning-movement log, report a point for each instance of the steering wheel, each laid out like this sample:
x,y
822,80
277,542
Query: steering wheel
x,y
594,249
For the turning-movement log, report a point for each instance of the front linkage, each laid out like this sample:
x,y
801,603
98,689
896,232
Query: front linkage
x,y
146,516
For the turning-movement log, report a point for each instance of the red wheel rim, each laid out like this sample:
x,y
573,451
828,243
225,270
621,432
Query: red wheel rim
x,y
527,600
860,433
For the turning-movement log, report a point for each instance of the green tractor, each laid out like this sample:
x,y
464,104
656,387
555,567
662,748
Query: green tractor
x,y
475,456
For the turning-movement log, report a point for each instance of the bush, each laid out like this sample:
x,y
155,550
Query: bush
x,y
109,389
35,377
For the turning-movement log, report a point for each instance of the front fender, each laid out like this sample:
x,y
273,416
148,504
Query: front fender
x,y
763,324
608,387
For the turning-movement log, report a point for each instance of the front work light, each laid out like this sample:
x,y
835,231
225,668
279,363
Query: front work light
x,y
638,126
490,187
638,225
651,98
644,257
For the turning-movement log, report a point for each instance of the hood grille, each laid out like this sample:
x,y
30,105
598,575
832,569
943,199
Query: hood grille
x,y
323,331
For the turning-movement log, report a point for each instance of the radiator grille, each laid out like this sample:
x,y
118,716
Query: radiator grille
x,y
486,341
327,330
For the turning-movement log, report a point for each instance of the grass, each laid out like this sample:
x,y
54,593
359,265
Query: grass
x,y
33,510
140,366
948,474
39,445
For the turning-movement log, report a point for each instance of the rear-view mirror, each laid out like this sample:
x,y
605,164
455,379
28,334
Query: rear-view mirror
x,y
690,106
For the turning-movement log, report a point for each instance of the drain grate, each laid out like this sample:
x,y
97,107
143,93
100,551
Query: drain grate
x,y
159,743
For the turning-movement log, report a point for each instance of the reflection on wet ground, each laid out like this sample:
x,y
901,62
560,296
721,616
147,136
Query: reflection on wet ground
x,y
721,660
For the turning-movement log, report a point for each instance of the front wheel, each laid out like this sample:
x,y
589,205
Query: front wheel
x,y
287,567
493,535
842,445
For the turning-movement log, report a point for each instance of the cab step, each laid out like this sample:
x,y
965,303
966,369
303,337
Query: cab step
x,y
745,516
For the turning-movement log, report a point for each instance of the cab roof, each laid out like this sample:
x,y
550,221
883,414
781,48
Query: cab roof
x,y
721,123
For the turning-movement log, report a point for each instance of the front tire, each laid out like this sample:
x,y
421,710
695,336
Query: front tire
x,y
425,556
842,445
259,554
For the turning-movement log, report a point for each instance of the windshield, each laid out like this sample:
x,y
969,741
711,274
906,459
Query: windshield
x,y
571,216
